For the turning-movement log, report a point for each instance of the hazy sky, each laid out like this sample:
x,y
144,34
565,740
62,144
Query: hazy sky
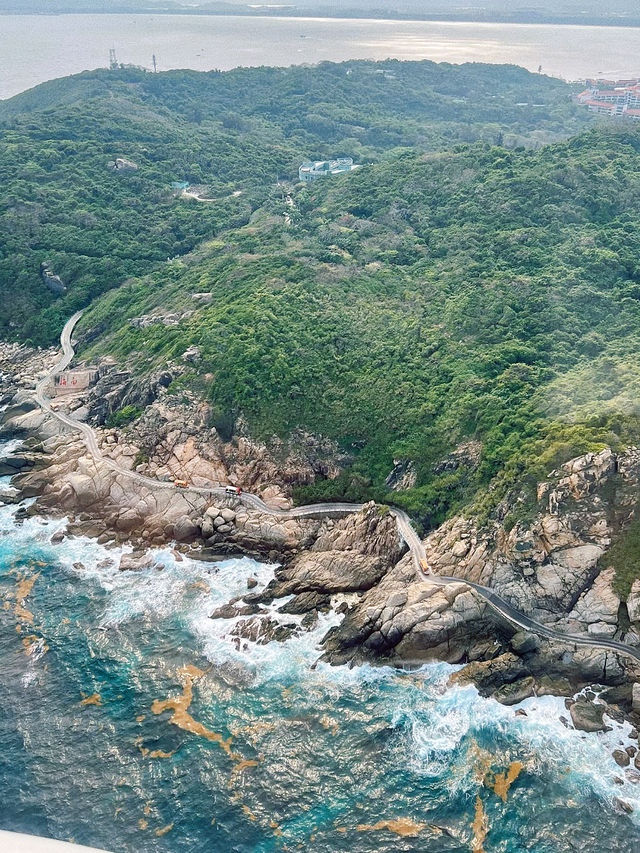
x,y
410,7
574,6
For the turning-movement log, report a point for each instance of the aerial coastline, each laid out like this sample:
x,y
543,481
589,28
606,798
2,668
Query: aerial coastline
x,y
320,458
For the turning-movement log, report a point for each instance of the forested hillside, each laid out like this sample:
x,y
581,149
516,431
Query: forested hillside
x,y
406,309
243,130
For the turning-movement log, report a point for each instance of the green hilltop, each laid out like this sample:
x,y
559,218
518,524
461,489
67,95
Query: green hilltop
x,y
238,130
479,294
468,286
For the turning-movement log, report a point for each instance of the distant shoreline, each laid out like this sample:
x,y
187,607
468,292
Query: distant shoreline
x,y
530,20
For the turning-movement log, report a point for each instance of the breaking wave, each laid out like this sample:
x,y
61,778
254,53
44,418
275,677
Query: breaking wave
x,y
330,758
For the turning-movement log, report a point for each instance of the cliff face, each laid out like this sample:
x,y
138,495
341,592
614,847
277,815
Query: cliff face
x,y
178,437
553,567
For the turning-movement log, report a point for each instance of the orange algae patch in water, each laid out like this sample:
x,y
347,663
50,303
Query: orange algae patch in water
x,y
142,823
160,753
401,826
164,829
32,643
239,767
96,699
249,813
329,724
480,827
180,707
504,781
23,590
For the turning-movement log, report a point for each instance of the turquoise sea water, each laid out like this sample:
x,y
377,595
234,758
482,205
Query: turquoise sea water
x,y
320,758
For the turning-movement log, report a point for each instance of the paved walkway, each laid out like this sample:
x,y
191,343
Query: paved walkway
x,y
322,510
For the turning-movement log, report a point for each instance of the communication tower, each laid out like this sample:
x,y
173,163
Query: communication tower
x,y
113,61
155,64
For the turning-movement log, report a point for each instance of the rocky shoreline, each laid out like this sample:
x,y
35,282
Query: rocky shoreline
x,y
552,568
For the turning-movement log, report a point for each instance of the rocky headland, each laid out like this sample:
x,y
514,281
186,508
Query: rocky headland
x,y
552,567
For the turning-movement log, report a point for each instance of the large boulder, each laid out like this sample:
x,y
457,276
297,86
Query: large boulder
x,y
517,691
184,529
494,674
329,572
408,618
135,562
633,602
587,716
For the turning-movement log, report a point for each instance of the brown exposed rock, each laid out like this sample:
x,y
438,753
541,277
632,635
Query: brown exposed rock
x,y
352,554
492,674
231,611
523,642
264,630
135,562
621,758
306,602
548,686
587,716
406,618
548,567
517,691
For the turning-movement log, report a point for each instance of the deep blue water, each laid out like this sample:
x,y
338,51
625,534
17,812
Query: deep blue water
x,y
336,754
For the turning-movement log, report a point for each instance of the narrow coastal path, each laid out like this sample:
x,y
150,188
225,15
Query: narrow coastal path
x,y
321,510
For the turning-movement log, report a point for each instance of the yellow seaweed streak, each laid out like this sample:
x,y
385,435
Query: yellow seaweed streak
x,y
180,707
154,753
480,827
249,813
239,768
160,753
33,644
96,699
504,781
401,826
164,829
23,590
329,724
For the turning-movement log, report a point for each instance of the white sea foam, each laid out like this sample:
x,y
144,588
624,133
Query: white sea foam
x,y
6,449
445,731
443,725
9,447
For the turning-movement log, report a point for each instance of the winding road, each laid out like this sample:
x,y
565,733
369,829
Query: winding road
x,y
322,510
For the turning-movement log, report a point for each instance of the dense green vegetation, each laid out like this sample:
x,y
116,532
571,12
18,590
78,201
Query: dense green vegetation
x,y
241,130
408,307
624,556
123,416
459,287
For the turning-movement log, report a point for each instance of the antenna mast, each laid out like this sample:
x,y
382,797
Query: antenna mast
x,y
113,61
155,64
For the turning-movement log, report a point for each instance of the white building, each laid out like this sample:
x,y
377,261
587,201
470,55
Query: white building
x,y
612,98
312,170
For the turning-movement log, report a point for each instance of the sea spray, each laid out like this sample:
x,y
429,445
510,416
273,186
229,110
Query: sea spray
x,y
328,757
